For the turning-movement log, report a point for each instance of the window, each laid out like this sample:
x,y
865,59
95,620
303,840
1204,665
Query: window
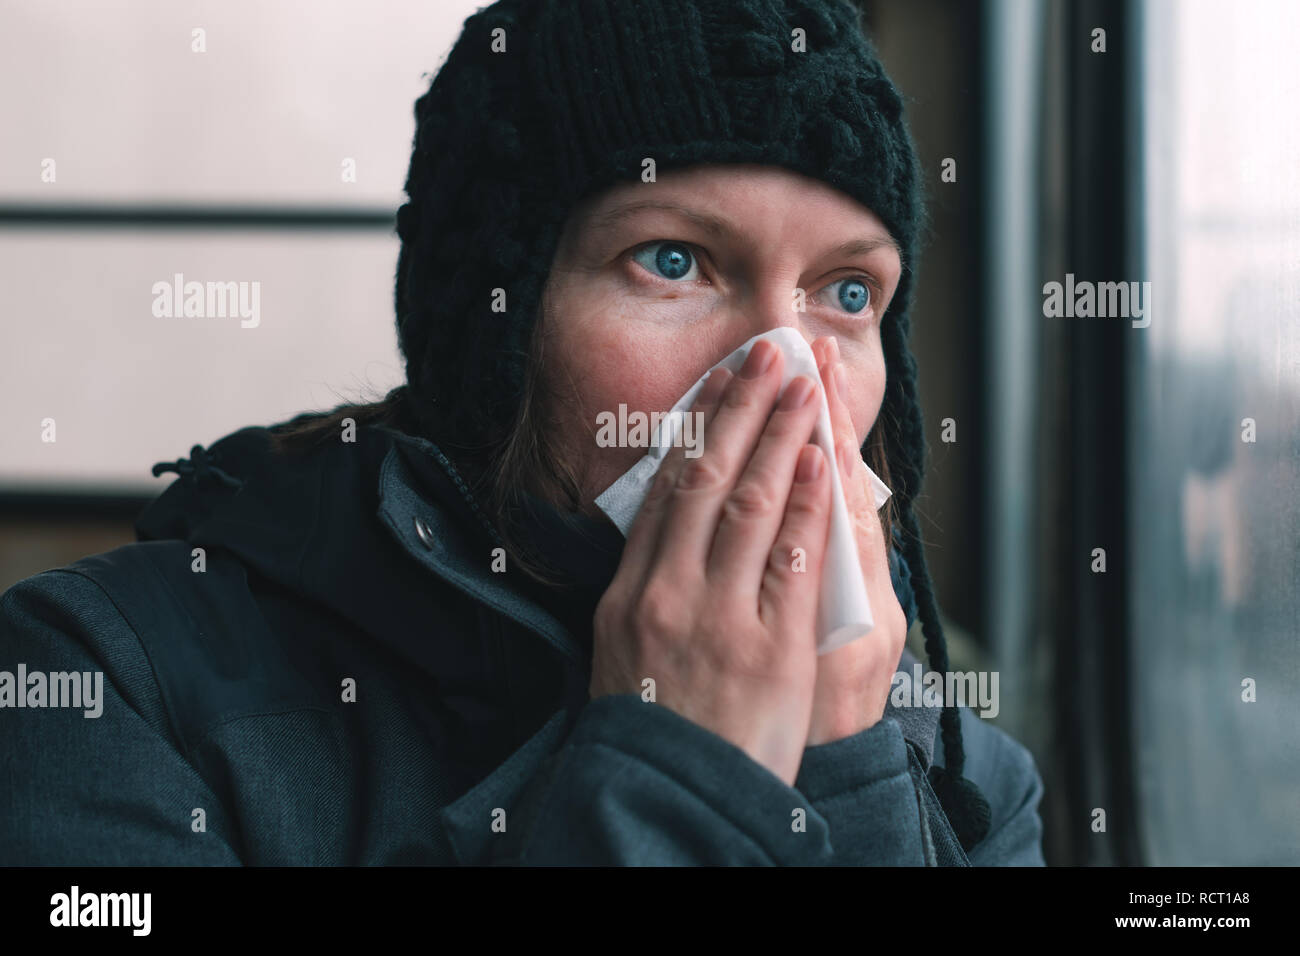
x,y
258,144
1215,517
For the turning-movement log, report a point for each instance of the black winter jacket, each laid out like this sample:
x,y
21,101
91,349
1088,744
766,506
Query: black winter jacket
x,y
311,661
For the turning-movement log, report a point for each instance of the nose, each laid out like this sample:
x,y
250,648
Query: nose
x,y
774,301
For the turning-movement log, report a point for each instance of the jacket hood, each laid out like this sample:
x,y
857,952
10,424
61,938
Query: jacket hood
x,y
304,524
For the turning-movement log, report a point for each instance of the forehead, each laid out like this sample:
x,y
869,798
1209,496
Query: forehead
x,y
748,200
730,182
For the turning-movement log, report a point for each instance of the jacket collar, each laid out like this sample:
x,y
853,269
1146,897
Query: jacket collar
x,y
920,725
427,508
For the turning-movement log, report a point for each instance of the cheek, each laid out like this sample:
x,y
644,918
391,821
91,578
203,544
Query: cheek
x,y
599,359
608,364
866,386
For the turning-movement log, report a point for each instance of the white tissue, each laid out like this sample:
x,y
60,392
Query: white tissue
x,y
843,612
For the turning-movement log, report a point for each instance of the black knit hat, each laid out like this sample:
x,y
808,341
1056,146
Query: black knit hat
x,y
542,103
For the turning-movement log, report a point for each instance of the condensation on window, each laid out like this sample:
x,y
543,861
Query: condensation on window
x,y
1216,437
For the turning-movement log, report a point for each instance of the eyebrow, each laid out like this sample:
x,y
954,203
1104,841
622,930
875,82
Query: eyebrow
x,y
721,227
712,224
861,247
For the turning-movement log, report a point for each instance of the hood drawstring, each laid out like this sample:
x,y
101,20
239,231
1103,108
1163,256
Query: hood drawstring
x,y
197,467
964,804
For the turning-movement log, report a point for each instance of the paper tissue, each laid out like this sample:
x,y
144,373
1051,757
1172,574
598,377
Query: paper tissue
x,y
844,613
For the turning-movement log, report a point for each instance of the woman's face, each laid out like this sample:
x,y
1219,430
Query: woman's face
x,y
654,283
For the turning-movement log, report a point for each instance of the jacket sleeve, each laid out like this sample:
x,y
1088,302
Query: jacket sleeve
x,y
78,788
863,788
635,783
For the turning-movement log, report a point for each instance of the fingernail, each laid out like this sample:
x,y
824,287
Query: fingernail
x,y
822,351
759,360
797,394
834,350
810,465
713,387
841,383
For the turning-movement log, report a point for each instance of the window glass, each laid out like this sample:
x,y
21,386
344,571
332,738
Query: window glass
x,y
93,338
1216,437
238,105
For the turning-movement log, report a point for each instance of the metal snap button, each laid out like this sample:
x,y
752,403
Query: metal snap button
x,y
423,532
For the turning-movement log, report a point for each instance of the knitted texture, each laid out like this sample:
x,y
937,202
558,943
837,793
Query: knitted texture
x,y
542,103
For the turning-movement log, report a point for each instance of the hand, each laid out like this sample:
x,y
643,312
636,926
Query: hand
x,y
854,681
706,600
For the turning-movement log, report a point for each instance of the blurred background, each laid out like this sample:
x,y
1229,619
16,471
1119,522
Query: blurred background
x,y
268,142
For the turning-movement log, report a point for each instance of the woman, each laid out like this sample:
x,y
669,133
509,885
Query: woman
x,y
404,633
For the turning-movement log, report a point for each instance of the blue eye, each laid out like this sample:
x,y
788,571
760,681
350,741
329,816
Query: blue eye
x,y
854,295
671,260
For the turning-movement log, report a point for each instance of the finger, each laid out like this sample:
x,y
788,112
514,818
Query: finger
x,y
847,451
704,483
753,512
792,579
868,518
854,476
870,534
643,537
